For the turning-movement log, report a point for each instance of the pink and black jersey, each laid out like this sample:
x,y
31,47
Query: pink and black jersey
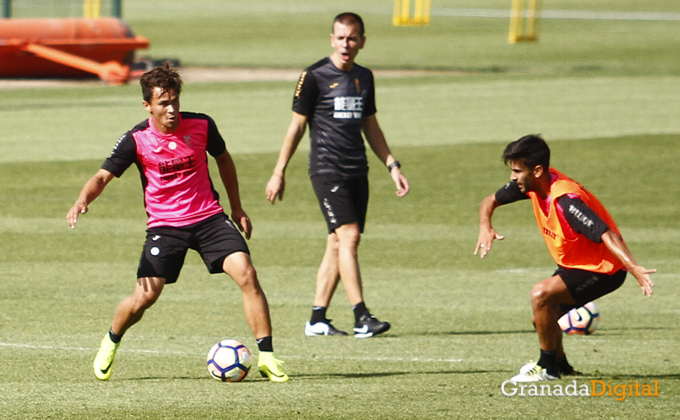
x,y
178,190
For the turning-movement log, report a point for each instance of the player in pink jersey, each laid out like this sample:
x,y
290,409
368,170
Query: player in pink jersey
x,y
170,150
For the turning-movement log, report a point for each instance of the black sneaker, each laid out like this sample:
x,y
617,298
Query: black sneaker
x,y
368,326
570,371
566,369
322,328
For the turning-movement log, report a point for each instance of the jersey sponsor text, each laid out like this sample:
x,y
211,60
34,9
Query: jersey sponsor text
x,y
348,107
580,216
549,233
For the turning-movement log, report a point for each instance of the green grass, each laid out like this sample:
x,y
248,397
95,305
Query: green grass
x,y
602,92
60,287
453,109
295,34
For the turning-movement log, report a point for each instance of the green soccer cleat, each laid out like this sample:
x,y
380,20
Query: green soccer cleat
x,y
271,367
103,362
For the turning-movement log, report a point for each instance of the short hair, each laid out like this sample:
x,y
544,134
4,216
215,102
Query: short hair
x,y
349,18
164,77
531,150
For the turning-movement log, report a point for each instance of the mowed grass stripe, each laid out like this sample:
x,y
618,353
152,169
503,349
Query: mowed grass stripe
x,y
453,110
93,349
303,230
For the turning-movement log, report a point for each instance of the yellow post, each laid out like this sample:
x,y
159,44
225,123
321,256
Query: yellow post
x,y
91,9
402,13
519,31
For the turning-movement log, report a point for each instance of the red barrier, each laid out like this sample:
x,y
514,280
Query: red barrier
x,y
67,48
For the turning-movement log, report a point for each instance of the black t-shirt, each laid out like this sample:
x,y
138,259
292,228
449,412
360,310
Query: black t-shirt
x,y
335,102
581,218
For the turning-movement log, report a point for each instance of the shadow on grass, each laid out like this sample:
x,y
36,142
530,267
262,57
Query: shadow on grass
x,y
464,333
619,377
345,375
167,378
254,376
618,331
608,331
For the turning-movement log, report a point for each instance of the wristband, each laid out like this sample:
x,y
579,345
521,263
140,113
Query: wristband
x,y
393,165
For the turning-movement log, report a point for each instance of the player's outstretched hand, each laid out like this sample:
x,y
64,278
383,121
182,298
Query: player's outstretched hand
x,y
275,188
400,181
72,215
485,240
243,222
644,280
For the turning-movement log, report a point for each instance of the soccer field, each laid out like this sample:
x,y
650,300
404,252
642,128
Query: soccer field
x,y
602,91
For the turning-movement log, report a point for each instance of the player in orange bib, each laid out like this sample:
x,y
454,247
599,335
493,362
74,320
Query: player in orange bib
x,y
582,238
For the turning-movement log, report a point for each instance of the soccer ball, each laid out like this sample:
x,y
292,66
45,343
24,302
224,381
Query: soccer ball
x,y
228,361
583,320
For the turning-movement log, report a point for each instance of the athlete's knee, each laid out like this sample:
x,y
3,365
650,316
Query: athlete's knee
x,y
249,284
147,292
332,243
349,236
551,293
247,276
539,295
240,268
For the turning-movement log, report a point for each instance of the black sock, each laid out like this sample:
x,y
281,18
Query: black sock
x,y
265,344
115,337
359,310
318,315
564,366
548,361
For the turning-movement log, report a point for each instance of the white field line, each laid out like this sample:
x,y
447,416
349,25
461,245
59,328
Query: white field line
x,y
87,349
191,353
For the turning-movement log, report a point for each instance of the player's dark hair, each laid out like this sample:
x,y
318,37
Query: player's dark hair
x,y
349,18
531,150
164,77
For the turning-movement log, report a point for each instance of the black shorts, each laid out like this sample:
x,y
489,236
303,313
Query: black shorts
x,y
586,286
343,200
215,238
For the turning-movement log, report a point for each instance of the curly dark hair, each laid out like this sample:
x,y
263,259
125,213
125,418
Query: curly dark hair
x,y
164,77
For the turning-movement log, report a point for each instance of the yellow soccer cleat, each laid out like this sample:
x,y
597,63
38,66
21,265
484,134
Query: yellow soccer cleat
x,y
532,372
103,362
271,367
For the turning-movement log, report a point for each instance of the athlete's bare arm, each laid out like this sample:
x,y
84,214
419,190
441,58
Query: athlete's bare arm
x,y
91,190
620,250
486,232
229,178
376,139
277,183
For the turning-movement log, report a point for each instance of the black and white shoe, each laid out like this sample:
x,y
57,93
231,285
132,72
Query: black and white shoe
x,y
368,326
322,328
